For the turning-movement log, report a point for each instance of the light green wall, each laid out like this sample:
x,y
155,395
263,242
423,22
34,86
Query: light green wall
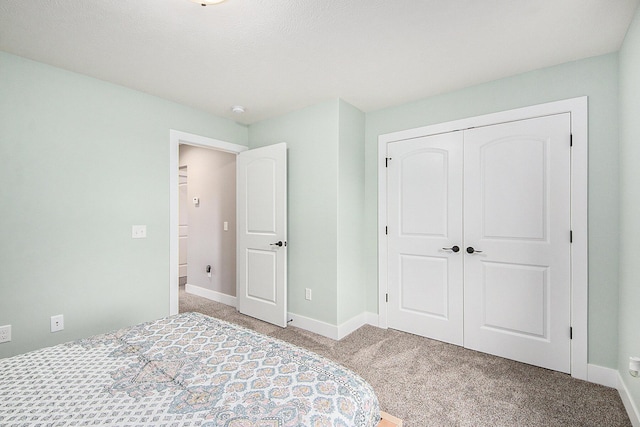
x,y
82,161
351,285
311,135
326,195
629,333
595,77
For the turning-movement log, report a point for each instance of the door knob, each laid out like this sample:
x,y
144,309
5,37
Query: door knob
x,y
470,250
452,248
278,243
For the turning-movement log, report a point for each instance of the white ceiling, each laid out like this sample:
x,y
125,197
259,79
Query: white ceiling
x,y
275,56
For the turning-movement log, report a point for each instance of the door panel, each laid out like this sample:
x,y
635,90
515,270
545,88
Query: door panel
x,y
419,215
514,185
262,222
517,212
261,191
505,285
426,297
261,276
425,216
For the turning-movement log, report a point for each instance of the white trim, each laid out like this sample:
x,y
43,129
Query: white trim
x,y
312,325
205,142
211,295
382,232
332,331
351,325
604,376
579,209
372,319
629,405
580,246
355,323
175,139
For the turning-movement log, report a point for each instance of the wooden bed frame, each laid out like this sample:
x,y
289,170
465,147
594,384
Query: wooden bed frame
x,y
389,420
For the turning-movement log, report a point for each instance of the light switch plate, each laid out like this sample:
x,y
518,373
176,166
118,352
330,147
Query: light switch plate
x,y
138,231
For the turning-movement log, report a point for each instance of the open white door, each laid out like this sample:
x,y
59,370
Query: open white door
x,y
262,233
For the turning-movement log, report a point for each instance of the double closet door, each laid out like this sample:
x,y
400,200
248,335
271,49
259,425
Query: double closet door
x,y
479,239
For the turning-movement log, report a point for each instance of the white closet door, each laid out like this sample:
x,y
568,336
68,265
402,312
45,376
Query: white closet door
x,y
425,216
517,212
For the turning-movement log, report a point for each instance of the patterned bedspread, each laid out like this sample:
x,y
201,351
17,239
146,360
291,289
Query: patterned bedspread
x,y
183,370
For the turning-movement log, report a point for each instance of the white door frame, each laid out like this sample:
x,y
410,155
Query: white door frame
x,y
176,138
579,192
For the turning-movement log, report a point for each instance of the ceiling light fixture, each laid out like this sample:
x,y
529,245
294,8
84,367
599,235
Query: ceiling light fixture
x,y
207,2
238,109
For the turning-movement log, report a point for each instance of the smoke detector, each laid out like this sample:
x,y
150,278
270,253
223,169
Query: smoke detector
x,y
238,109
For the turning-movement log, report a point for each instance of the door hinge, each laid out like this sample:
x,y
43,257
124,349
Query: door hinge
x,y
570,236
386,230
386,161
386,297
570,332
570,140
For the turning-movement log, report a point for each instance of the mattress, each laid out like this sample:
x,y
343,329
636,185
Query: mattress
x,y
183,370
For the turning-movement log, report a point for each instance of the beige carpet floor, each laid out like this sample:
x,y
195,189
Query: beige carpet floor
x,y
430,383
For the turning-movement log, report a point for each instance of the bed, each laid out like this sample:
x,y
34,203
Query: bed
x,y
183,370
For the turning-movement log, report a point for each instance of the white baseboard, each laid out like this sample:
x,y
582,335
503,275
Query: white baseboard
x,y
611,378
603,376
372,319
353,325
332,331
212,295
629,405
312,325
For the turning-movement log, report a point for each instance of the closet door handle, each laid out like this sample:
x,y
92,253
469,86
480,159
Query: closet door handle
x,y
470,250
453,248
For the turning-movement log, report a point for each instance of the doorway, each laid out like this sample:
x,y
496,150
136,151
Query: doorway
x,y
177,138
449,310
207,216
261,250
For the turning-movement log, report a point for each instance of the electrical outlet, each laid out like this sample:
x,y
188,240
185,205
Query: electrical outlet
x,y
307,294
5,333
57,323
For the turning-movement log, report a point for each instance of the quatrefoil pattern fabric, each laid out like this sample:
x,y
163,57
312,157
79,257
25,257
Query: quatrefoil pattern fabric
x,y
183,370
